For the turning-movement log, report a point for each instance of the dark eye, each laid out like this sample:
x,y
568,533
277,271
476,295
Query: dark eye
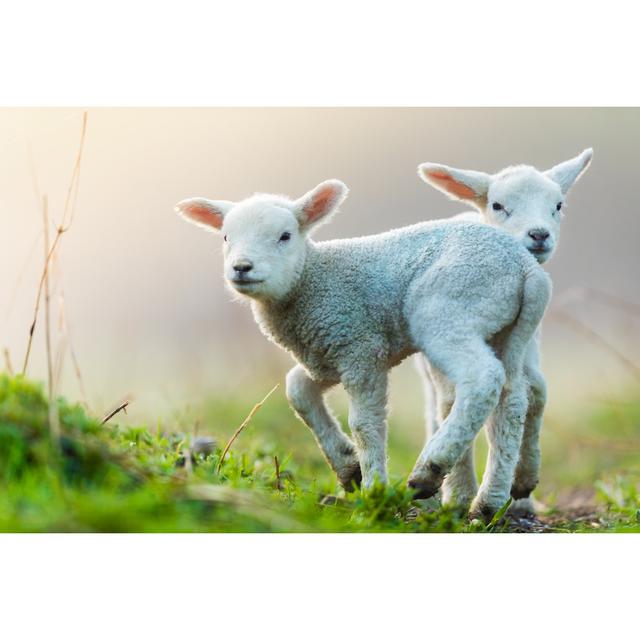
x,y
559,206
225,237
497,206
284,237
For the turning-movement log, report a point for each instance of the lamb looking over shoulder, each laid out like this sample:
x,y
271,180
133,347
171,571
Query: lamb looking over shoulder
x,y
527,204
349,310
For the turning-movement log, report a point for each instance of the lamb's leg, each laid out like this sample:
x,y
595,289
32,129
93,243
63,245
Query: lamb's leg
x,y
368,423
478,378
526,474
459,486
306,398
504,432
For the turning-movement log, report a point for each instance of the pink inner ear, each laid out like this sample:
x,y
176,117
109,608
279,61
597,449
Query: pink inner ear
x,y
202,214
453,186
320,204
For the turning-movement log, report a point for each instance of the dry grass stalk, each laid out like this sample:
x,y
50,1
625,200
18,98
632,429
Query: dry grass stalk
x,y
242,426
65,225
594,336
54,418
59,362
7,361
121,407
278,482
47,297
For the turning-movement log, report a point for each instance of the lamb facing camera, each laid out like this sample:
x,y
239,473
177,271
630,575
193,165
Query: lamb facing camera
x,y
349,310
529,205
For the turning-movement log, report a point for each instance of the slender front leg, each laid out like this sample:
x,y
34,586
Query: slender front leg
x,y
368,424
478,378
504,432
306,398
460,486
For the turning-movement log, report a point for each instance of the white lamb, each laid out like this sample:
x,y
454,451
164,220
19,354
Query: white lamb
x,y
349,310
527,204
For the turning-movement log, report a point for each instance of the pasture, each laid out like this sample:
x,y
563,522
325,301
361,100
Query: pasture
x,y
110,477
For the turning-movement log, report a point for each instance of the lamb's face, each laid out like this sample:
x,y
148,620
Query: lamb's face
x,y
521,200
264,249
265,236
528,205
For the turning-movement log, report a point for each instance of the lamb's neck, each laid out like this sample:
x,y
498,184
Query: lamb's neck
x,y
272,315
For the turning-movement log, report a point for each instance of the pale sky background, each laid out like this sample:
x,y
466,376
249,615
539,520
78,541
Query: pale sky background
x,y
144,294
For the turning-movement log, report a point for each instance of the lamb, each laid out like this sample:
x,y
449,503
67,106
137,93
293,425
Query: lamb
x,y
348,310
528,204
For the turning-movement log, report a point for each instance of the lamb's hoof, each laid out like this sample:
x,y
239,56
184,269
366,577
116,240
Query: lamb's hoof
x,y
520,491
423,490
351,479
483,512
428,483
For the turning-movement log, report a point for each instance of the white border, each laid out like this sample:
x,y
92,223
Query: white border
x,y
329,52
319,586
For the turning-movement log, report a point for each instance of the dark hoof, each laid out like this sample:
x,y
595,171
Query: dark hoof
x,y
517,492
484,513
352,480
422,490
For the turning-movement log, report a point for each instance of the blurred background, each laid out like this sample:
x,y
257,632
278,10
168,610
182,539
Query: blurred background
x,y
146,312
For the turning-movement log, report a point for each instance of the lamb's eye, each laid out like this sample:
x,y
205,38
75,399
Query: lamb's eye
x,y
224,237
497,206
559,206
284,237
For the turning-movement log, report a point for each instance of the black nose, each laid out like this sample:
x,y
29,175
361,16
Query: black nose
x,y
243,266
539,235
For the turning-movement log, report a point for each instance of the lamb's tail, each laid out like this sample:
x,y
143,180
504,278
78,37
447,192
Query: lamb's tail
x,y
535,297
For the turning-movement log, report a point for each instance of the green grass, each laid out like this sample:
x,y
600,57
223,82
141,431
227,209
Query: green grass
x,y
133,479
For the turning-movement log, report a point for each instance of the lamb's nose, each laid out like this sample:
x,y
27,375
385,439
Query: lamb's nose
x,y
243,266
539,235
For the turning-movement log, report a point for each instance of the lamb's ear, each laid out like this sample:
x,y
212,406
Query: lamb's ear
x,y
567,173
458,184
317,206
205,213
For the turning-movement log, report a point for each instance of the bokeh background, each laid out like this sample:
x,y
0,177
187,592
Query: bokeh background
x,y
146,310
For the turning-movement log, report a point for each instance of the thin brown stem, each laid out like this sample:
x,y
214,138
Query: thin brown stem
x,y
36,308
245,422
47,297
72,195
121,407
54,419
69,212
278,483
